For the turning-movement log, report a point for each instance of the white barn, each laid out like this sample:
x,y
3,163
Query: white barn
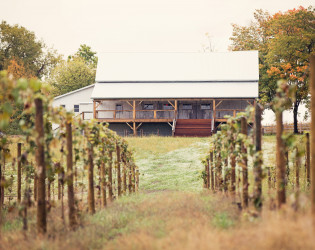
x,y
167,93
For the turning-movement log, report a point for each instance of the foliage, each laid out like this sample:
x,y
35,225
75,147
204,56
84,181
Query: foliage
x,y
85,53
18,43
71,75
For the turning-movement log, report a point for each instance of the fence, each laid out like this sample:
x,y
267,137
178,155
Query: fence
x,y
271,129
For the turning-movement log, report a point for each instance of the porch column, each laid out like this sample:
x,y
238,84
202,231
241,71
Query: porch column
x,y
134,118
175,109
94,109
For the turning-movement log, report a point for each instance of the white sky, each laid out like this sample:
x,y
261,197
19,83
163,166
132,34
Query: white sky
x,y
136,25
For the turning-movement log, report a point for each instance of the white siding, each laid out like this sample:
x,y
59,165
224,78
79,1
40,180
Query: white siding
x,y
74,98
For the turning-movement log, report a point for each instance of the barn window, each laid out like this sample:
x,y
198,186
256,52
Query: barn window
x,y
187,106
148,106
119,107
205,106
76,108
62,105
167,106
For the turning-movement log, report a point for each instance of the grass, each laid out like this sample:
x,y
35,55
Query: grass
x,y
171,211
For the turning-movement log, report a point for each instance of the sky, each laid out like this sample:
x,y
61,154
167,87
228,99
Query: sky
x,y
138,25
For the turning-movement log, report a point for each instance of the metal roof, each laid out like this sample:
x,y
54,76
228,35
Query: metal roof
x,y
135,67
143,90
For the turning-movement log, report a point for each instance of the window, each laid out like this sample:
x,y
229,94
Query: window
x,y
187,106
119,107
62,105
205,106
148,106
167,106
76,108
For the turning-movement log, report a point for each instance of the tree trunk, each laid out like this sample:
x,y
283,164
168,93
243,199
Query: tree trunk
x,y
71,198
295,117
41,168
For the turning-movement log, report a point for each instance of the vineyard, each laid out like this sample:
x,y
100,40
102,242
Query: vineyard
x,y
81,186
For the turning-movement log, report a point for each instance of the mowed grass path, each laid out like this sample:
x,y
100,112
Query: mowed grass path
x,y
168,163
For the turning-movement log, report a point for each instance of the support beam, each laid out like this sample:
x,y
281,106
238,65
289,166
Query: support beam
x,y
129,104
139,126
173,105
94,109
218,103
134,129
176,108
134,111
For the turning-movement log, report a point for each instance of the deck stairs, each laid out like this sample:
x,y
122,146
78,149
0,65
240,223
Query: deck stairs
x,y
193,127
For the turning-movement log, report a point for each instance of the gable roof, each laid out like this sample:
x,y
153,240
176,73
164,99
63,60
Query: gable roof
x,y
74,91
160,67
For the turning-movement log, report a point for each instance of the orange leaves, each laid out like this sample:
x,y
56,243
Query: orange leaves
x,y
273,71
17,70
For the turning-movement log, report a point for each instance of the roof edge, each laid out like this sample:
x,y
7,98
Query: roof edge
x,y
74,91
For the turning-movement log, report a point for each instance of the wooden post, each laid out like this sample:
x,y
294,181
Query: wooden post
x,y
134,118
208,174
118,170
211,171
312,86
308,159
297,169
41,168
94,109
91,200
103,180
19,173
129,179
137,180
244,164
125,174
133,179
71,198
110,175
214,115
258,160
176,109
281,173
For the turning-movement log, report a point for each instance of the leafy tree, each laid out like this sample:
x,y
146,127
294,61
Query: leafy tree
x,y
285,42
71,75
86,54
19,44
290,44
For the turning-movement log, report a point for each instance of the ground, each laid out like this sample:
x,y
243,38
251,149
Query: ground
x,y
173,211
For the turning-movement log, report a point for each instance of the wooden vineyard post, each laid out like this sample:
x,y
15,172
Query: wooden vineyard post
x,y
118,170
280,158
103,181
244,164
125,174
258,160
110,175
137,180
133,179
308,159
208,173
41,168
233,164
71,198
35,185
312,155
211,171
19,173
91,199
269,178
297,169
129,178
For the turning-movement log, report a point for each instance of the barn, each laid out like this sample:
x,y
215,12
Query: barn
x,y
179,94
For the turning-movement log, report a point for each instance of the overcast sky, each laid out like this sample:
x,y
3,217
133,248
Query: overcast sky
x,y
136,25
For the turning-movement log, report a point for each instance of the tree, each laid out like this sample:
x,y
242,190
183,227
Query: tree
x,y
71,75
291,40
77,72
19,44
86,54
285,42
